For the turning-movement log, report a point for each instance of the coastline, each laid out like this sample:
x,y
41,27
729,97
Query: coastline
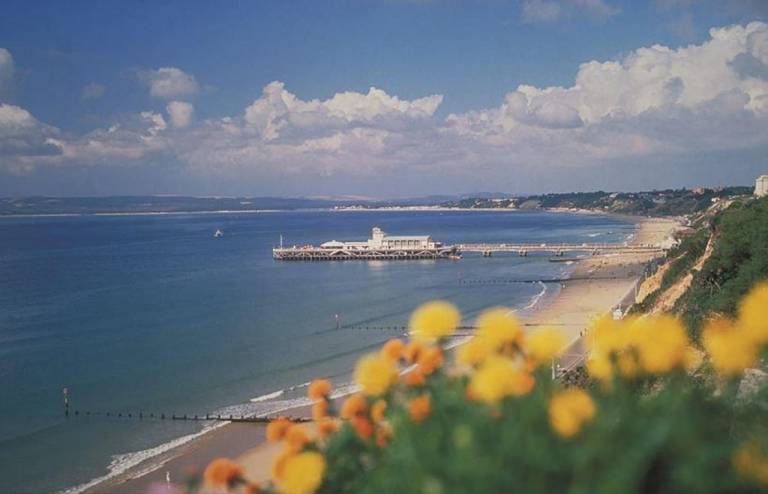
x,y
599,284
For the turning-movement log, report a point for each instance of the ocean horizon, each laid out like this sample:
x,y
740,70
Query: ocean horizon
x,y
152,314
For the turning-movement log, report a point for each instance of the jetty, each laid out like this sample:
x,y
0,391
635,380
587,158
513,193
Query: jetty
x,y
385,247
379,247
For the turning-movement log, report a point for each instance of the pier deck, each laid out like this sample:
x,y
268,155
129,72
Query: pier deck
x,y
311,253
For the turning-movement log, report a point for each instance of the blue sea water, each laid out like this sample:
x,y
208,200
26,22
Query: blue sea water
x,y
152,313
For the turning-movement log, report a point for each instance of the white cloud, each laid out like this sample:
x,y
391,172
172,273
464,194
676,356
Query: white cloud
x,y
180,113
652,105
6,67
552,10
23,136
169,82
92,90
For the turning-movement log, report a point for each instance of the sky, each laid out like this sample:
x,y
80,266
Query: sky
x,y
380,98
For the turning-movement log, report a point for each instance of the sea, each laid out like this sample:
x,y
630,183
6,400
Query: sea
x,y
152,314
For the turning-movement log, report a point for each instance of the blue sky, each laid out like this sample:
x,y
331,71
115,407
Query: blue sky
x,y
117,97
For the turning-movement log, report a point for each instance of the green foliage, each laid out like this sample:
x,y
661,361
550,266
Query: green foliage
x,y
739,259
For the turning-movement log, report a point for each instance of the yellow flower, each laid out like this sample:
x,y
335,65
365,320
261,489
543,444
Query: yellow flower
x,y
222,472
327,426
569,410
661,342
730,349
497,378
303,473
319,389
599,367
375,374
749,461
415,378
434,320
605,335
753,313
419,408
499,326
320,409
545,344
474,352
412,351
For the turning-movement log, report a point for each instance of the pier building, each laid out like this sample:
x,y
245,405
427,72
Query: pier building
x,y
761,186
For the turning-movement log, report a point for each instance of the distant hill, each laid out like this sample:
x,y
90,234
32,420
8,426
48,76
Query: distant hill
x,y
672,202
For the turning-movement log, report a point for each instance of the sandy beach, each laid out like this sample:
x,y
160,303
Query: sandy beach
x,y
598,285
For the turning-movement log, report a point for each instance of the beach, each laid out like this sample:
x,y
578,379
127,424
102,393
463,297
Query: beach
x,y
597,285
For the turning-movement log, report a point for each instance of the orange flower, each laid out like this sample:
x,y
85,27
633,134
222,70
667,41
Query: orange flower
x,y
383,435
277,428
430,359
393,349
319,409
363,427
222,472
353,406
319,389
412,351
327,426
419,408
252,489
377,411
296,438
415,377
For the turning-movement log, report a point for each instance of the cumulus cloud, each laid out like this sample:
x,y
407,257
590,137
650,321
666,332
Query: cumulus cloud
x,y
651,105
92,90
169,82
180,113
552,10
6,67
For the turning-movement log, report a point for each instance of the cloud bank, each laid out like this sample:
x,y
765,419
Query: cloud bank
x,y
652,105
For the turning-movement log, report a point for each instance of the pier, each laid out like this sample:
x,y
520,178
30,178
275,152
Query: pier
x,y
560,249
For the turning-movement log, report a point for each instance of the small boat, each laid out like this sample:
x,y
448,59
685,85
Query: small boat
x,y
218,234
455,257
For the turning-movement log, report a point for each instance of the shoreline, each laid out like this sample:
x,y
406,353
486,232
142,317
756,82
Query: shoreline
x,y
601,283
392,209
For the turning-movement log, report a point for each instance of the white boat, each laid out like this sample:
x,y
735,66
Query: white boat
x,y
218,234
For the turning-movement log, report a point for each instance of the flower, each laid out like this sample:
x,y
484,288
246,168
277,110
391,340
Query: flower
x,y
434,320
383,435
749,461
474,352
497,378
362,426
499,326
419,408
319,389
412,351
393,349
729,348
599,366
605,335
303,473
320,409
277,428
430,359
222,472
545,344
415,378
278,466
327,426
252,489
375,374
569,410
661,342
296,438
377,411
752,313
356,404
